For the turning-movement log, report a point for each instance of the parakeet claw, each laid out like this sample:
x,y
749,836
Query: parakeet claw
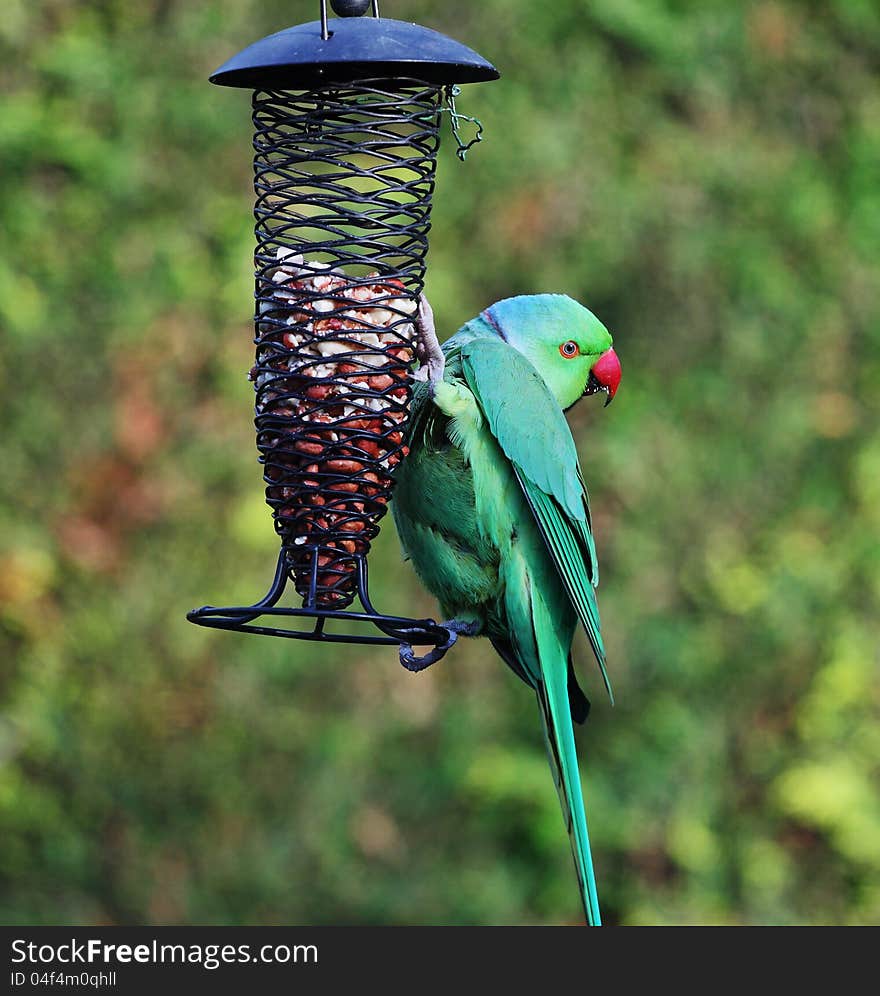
x,y
455,628
428,351
412,663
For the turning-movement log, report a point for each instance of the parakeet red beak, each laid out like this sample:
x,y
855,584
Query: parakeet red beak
x,y
605,375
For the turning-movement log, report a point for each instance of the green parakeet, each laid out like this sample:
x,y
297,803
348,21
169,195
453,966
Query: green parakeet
x,y
492,509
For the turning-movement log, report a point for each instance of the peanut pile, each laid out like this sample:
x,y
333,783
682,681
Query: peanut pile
x,y
332,383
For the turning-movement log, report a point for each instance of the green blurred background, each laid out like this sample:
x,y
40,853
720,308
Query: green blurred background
x,y
705,177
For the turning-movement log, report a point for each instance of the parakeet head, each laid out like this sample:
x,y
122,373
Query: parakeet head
x,y
567,344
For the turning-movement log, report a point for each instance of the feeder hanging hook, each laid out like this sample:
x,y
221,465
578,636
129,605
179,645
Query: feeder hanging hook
x,y
345,8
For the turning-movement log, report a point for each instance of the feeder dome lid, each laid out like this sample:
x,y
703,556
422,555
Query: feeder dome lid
x,y
358,48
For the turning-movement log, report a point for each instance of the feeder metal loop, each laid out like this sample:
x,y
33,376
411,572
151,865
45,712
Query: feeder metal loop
x,y
351,8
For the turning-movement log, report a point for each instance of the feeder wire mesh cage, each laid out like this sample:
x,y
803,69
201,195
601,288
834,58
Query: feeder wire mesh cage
x,y
347,120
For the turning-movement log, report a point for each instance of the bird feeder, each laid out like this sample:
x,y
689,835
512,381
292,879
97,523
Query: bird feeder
x,y
347,115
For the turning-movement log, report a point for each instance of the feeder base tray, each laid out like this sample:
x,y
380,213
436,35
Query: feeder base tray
x,y
396,630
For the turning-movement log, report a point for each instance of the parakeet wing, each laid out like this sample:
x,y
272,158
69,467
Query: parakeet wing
x,y
531,430
570,543
525,418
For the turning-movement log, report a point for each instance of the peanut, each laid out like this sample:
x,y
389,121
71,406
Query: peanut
x,y
352,526
368,446
318,392
348,486
343,466
380,382
310,449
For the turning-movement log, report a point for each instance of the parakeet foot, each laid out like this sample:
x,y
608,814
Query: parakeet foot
x,y
463,627
415,664
455,628
430,355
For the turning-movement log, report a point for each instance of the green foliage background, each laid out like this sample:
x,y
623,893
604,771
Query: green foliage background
x,y
705,177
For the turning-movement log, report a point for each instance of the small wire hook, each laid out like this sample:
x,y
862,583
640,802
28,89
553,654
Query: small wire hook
x,y
450,93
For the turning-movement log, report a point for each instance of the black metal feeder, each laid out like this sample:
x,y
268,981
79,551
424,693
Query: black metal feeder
x,y
347,124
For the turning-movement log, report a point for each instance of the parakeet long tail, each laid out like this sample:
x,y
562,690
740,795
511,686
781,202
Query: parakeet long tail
x,y
553,699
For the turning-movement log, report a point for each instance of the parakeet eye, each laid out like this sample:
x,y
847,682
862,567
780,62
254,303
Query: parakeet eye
x,y
569,349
